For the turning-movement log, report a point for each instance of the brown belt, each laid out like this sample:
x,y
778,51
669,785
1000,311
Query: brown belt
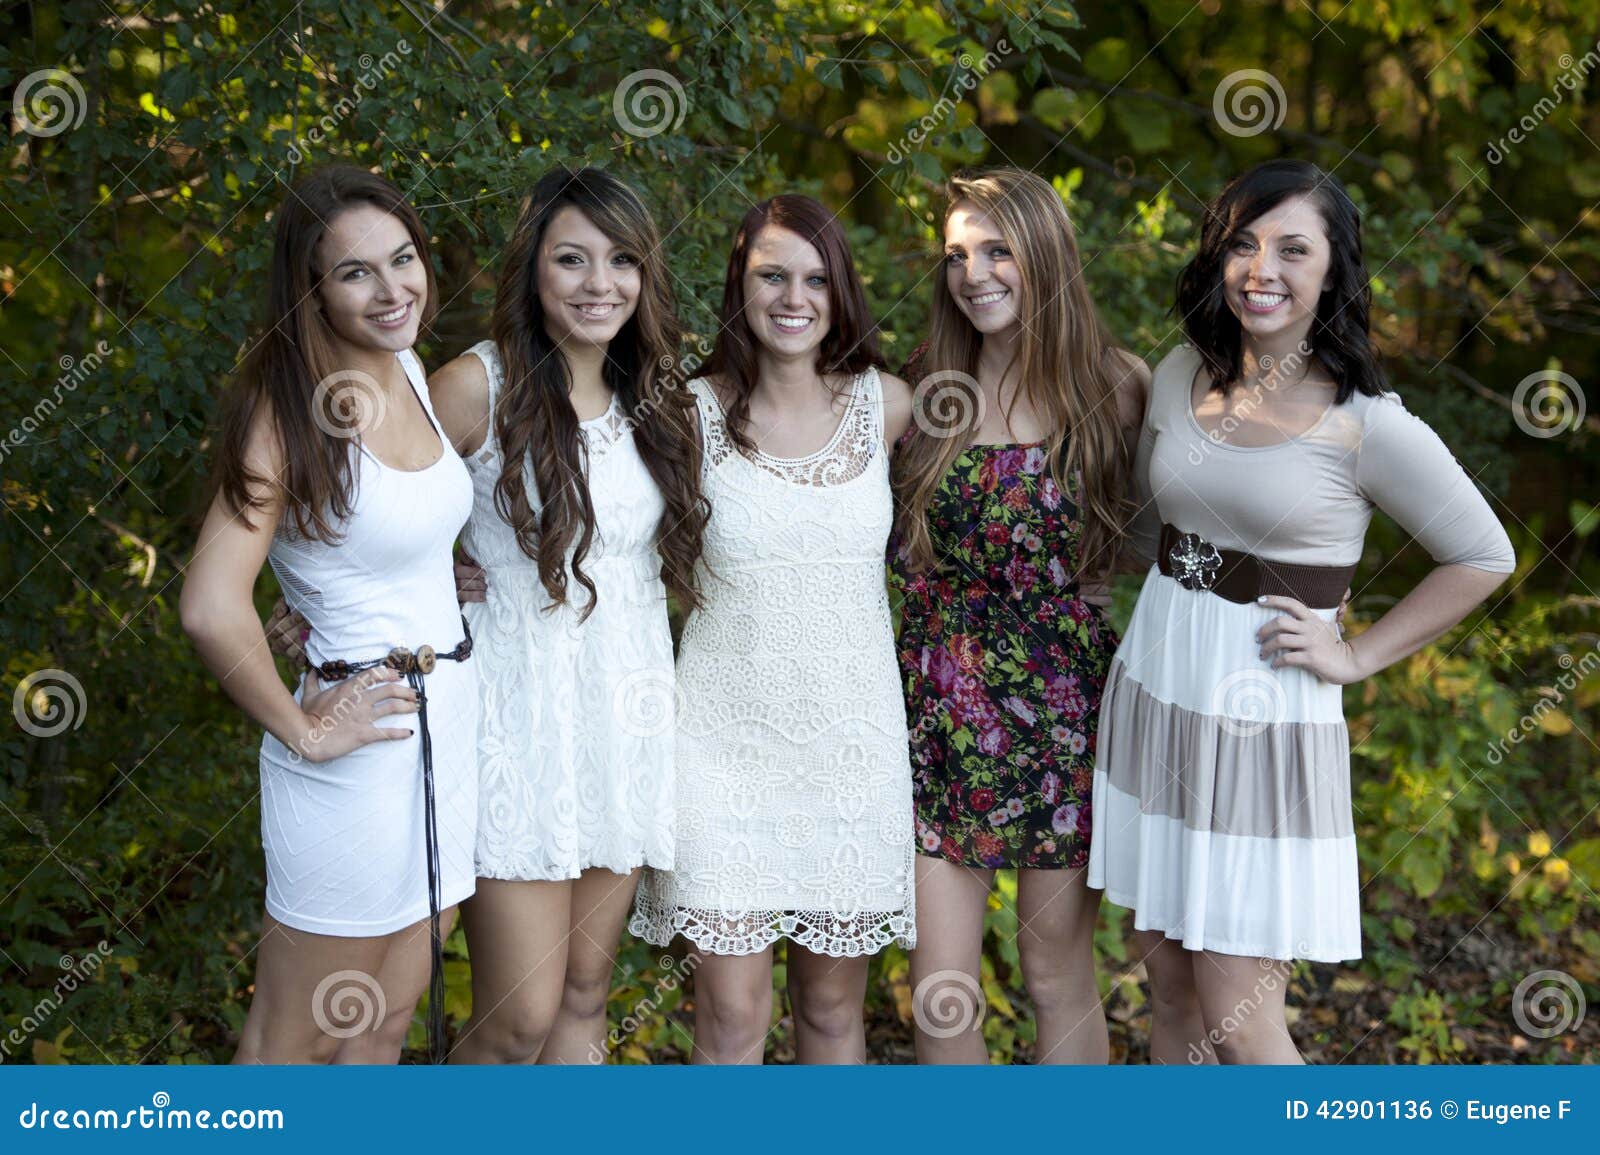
x,y
1196,564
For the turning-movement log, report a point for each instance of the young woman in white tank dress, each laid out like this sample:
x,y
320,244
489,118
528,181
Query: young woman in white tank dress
x,y
1222,811
331,466
587,512
794,778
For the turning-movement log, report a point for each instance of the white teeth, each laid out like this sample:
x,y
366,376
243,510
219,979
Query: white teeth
x,y
1265,300
989,298
596,310
792,324
387,318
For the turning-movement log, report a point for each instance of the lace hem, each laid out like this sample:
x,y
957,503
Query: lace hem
x,y
625,863
823,932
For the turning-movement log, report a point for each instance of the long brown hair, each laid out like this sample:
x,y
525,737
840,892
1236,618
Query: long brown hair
x,y
1067,371
851,345
281,372
534,420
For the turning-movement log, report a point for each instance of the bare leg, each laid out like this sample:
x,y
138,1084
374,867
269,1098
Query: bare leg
x,y
732,1007
830,998
600,904
517,935
315,993
946,966
1242,1001
1177,1028
1056,914
404,977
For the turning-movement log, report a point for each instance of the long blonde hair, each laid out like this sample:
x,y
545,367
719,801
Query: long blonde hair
x,y
1068,372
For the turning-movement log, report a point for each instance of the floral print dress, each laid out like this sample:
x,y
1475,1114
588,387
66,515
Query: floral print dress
x,y
1003,665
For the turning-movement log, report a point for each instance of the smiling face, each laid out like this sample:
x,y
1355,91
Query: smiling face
x,y
374,286
588,285
786,301
980,270
1276,269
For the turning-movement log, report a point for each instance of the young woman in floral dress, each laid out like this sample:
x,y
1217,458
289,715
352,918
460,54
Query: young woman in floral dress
x,y
1009,489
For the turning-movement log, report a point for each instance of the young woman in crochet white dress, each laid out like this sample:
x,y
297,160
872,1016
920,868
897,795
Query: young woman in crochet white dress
x,y
587,511
794,780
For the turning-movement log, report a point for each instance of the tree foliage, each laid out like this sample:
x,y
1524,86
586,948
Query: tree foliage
x,y
149,145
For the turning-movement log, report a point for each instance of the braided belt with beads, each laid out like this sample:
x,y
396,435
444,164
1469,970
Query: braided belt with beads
x,y
416,666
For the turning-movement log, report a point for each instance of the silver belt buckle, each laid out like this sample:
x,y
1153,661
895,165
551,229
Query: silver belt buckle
x,y
1195,562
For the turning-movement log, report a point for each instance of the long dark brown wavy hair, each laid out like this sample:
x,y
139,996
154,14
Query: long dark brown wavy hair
x,y
1069,371
280,373
851,345
535,422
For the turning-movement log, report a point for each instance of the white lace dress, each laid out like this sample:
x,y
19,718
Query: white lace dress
x,y
794,774
576,731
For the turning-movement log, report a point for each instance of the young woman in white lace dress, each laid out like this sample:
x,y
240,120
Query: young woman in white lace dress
x,y
794,781
587,511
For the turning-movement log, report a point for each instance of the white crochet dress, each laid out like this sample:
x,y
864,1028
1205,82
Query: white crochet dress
x,y
794,776
576,731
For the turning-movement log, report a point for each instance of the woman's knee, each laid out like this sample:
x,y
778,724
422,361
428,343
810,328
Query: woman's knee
x,y
515,1031
585,992
834,1012
733,1013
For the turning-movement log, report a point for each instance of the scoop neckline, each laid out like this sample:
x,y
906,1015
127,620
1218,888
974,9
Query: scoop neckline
x,y
444,446
833,439
1211,439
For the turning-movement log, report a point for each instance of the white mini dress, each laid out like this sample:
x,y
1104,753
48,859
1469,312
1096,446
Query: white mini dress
x,y
576,737
344,839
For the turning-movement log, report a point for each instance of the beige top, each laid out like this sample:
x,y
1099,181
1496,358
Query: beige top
x,y
1308,500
